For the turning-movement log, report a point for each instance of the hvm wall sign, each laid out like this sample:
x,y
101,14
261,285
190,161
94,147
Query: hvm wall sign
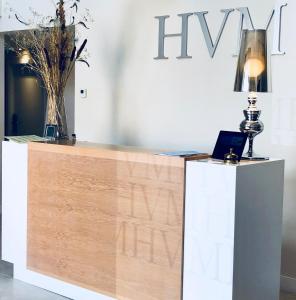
x,y
245,23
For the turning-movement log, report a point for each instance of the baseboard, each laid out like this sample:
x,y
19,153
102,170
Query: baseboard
x,y
288,284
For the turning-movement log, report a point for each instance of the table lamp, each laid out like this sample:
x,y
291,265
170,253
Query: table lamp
x,y
251,77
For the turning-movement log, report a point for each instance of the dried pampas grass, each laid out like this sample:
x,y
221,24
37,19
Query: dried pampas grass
x,y
53,50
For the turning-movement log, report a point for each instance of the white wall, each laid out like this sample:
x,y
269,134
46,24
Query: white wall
x,y
182,104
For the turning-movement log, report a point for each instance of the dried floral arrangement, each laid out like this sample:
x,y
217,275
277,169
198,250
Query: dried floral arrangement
x,y
54,50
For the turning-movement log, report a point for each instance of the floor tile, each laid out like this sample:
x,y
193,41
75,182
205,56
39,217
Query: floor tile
x,y
285,296
11,289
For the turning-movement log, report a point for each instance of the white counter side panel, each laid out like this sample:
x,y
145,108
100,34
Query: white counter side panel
x,y
14,199
209,231
258,231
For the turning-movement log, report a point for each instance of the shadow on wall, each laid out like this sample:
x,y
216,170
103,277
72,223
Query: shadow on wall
x,y
117,54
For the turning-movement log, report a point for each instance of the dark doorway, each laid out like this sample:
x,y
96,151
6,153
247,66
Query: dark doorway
x,y
25,99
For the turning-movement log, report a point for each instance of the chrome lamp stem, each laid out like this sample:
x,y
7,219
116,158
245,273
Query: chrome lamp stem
x,y
251,143
252,126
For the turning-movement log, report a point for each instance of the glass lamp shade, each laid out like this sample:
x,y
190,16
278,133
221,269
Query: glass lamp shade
x,y
251,74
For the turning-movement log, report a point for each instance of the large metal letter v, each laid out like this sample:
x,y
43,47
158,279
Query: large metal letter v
x,y
212,47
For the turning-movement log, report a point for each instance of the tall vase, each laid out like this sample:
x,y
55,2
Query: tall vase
x,y
62,119
56,114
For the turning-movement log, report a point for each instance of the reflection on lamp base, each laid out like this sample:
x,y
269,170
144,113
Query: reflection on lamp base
x,y
252,126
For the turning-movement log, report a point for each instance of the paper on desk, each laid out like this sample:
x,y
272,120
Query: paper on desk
x,y
26,139
180,153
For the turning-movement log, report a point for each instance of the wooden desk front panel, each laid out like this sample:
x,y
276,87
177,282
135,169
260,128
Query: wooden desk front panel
x,y
113,225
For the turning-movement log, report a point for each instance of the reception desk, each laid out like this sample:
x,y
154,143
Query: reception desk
x,y
95,222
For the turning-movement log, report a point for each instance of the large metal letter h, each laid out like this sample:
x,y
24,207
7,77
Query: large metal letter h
x,y
184,36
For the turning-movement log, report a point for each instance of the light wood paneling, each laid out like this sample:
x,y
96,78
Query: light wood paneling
x,y
107,219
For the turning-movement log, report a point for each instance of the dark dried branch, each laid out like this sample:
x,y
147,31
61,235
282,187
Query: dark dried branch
x,y
75,6
73,54
81,49
83,24
23,22
47,58
83,61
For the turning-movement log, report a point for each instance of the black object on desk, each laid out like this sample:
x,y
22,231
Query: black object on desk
x,y
230,140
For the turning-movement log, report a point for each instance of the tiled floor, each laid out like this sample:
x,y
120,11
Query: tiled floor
x,y
288,297
11,289
16,290
5,268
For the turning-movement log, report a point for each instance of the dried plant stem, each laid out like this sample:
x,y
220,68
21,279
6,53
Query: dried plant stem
x,y
53,56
